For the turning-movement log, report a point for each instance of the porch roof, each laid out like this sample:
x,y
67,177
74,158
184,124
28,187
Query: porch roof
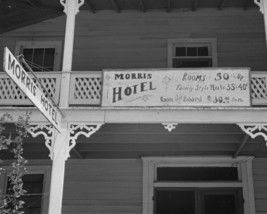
x,y
20,13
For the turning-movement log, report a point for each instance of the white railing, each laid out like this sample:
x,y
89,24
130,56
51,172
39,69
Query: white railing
x,y
86,87
10,94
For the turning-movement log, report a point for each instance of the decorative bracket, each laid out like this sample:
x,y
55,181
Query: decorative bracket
x,y
254,130
47,131
81,129
169,126
260,4
66,4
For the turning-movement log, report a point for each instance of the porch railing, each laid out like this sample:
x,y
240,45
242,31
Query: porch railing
x,y
86,87
10,94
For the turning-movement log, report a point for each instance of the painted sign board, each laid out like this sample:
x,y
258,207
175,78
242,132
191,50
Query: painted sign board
x,y
22,79
222,87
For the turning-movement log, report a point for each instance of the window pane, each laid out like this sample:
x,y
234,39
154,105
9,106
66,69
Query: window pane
x,y
33,184
191,51
49,59
175,201
203,51
28,54
222,204
180,51
33,198
197,174
38,59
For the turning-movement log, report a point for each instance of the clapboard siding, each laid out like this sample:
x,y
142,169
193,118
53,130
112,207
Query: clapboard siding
x,y
115,186
132,39
260,184
103,186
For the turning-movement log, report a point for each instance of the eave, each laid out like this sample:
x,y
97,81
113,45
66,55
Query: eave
x,y
186,115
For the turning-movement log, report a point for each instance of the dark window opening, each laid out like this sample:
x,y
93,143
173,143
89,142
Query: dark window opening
x,y
197,174
191,63
198,201
40,59
192,57
33,184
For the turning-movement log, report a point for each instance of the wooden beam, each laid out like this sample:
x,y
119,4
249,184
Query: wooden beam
x,y
221,4
142,5
90,5
241,146
116,5
247,3
195,4
169,6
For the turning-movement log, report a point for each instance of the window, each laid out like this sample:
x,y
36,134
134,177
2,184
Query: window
x,y
192,53
33,184
37,184
198,185
40,55
198,200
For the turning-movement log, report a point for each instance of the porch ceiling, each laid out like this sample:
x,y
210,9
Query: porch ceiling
x,y
137,140
19,13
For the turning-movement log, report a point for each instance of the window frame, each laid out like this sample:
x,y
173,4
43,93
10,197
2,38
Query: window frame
x,y
38,169
43,44
210,42
243,163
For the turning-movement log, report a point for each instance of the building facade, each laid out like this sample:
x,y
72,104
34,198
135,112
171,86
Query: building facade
x,y
137,158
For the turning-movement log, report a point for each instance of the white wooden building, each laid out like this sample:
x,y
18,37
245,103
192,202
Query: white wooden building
x,y
157,147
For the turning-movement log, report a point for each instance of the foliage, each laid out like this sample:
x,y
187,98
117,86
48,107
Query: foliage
x,y
10,202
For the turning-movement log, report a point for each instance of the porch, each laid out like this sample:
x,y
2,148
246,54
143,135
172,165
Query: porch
x,y
86,89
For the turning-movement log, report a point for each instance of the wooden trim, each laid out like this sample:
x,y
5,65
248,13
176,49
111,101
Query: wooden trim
x,y
244,164
241,146
155,115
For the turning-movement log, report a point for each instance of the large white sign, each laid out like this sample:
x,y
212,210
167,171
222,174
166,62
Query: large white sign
x,y
16,72
179,87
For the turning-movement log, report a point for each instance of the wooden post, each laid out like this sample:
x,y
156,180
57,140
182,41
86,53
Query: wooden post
x,y
61,147
71,9
59,156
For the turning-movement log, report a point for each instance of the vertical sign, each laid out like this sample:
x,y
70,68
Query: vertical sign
x,y
16,72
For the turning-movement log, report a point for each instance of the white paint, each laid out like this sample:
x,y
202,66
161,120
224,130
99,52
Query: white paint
x,y
71,8
58,171
16,72
177,87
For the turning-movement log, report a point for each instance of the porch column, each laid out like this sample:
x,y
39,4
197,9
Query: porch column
x,y
263,8
58,156
61,145
71,8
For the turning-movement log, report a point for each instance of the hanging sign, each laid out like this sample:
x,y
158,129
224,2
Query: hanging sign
x,y
177,87
22,79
